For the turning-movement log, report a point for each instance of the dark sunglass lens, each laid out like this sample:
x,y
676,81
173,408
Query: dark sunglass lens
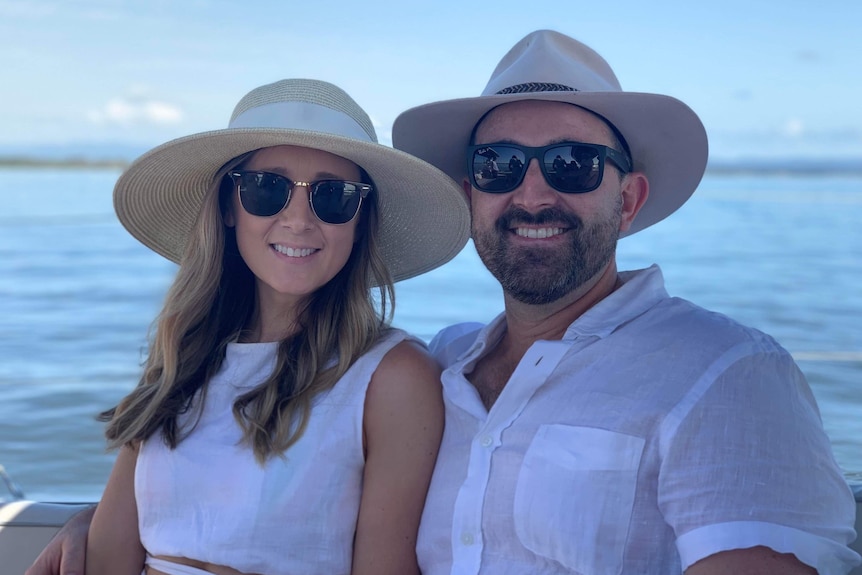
x,y
262,193
498,169
574,168
336,202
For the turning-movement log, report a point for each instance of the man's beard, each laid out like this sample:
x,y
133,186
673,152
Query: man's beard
x,y
542,274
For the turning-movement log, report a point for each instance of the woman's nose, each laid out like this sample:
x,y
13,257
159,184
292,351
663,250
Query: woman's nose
x,y
297,214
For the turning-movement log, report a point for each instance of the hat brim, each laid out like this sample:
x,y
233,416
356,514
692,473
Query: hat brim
x,y
667,140
423,214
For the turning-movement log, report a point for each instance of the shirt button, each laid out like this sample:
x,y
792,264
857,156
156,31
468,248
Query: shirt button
x,y
487,441
467,538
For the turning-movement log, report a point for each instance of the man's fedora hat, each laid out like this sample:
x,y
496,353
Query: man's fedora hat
x,y
666,138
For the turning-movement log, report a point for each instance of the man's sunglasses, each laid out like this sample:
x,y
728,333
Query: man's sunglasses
x,y
332,201
568,167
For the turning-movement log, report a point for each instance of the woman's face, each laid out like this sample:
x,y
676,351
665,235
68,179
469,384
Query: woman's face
x,y
293,253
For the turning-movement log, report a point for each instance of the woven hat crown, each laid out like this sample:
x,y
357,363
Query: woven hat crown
x,y
547,61
316,92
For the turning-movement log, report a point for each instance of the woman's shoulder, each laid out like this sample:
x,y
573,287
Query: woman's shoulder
x,y
395,355
394,335
408,354
406,381
407,368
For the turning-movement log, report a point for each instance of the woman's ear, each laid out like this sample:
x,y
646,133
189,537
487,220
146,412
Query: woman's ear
x,y
361,224
228,217
226,198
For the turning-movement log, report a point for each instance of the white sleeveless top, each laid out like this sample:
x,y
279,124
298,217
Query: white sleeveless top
x,y
209,500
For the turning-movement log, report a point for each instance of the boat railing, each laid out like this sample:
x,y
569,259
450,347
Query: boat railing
x,y
16,492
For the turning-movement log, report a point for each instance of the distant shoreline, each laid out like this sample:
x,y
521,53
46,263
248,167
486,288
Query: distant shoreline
x,y
719,167
786,169
71,163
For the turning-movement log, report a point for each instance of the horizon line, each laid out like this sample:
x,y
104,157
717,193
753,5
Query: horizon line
x,y
765,165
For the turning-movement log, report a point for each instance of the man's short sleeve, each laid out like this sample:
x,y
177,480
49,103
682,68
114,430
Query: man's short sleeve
x,y
746,462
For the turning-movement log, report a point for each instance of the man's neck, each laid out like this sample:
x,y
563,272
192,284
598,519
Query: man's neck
x,y
527,323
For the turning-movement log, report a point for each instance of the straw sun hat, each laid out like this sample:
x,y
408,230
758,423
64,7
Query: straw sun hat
x,y
666,139
424,217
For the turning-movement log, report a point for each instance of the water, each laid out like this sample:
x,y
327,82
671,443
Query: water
x,y
77,294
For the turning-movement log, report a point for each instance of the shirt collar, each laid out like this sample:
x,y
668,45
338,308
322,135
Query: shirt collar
x,y
488,335
641,290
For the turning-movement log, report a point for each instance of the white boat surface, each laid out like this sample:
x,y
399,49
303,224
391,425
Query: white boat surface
x,y
26,527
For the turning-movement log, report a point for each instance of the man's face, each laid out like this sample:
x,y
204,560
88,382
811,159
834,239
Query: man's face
x,y
541,244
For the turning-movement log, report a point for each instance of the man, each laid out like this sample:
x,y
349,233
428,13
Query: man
x,y
598,425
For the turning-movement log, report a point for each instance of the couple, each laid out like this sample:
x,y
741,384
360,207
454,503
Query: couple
x,y
596,426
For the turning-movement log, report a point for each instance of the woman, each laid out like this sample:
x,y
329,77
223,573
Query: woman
x,y
280,425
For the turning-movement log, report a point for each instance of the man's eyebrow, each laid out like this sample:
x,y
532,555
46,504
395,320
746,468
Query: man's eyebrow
x,y
553,142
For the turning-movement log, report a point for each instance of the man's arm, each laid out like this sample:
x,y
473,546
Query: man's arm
x,y
64,555
753,561
749,474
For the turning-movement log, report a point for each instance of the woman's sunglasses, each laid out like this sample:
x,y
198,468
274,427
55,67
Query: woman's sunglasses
x,y
568,167
332,201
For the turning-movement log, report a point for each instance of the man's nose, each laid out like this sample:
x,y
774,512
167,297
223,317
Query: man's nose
x,y
534,191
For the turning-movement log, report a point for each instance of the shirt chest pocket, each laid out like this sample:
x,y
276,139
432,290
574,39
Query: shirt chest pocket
x,y
574,497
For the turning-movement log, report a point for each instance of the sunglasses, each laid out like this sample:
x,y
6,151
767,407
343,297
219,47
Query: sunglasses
x,y
568,167
332,201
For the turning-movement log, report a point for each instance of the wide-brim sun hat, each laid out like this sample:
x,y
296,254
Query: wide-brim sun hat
x,y
423,219
667,140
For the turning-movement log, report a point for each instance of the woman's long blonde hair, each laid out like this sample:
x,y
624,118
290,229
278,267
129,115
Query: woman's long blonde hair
x,y
212,300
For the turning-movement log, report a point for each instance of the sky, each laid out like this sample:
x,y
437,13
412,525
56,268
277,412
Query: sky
x,y
769,78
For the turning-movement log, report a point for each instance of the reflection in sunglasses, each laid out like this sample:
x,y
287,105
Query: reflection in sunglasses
x,y
568,167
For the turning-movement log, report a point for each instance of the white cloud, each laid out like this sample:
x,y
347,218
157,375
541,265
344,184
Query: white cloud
x,y
793,128
136,110
162,113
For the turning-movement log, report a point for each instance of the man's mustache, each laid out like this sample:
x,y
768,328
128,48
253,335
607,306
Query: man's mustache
x,y
514,216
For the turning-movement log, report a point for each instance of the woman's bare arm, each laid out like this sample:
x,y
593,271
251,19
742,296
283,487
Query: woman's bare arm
x,y
114,543
403,429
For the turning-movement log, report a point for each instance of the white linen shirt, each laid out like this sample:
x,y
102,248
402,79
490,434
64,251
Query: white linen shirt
x,y
654,434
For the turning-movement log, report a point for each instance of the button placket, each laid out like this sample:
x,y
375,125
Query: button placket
x,y
467,537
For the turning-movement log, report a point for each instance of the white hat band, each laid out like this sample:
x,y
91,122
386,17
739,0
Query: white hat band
x,y
301,116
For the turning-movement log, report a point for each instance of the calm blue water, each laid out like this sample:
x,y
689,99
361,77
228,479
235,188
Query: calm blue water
x,y
77,294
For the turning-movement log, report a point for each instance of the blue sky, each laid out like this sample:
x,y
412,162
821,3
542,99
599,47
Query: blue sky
x,y
768,77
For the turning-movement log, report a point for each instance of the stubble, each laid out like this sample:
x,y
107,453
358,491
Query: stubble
x,y
542,274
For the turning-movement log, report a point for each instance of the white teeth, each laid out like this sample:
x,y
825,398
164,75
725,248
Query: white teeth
x,y
538,233
294,252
